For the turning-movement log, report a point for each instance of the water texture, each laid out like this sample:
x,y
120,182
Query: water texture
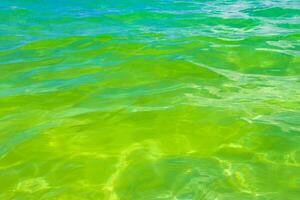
x,y
150,100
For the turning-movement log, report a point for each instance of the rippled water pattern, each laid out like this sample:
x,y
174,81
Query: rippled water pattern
x,y
150,100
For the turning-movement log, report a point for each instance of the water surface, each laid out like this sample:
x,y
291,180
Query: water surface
x,y
150,100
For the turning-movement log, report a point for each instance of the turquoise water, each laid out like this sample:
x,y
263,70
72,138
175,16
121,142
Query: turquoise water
x,y
150,100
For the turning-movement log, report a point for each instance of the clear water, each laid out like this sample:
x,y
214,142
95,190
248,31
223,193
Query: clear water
x,y
150,100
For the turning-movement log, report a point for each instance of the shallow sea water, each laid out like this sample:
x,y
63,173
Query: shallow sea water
x,y
150,100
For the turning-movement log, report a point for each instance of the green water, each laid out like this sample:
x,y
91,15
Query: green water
x,y
150,100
